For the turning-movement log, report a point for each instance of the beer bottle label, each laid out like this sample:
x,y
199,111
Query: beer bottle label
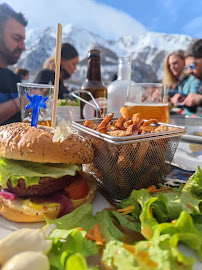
x,y
89,112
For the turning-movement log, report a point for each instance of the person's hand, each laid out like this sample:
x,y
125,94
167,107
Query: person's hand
x,y
192,100
16,101
177,98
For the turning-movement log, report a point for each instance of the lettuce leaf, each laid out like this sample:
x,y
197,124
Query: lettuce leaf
x,y
81,217
32,171
72,251
118,257
191,196
108,229
127,221
159,253
76,261
194,183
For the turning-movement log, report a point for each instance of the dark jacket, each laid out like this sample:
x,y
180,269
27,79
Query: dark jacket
x,y
47,76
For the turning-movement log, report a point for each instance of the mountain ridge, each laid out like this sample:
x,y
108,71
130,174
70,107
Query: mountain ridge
x,y
147,51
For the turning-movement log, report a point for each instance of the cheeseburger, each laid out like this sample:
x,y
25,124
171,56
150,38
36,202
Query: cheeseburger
x,y
40,177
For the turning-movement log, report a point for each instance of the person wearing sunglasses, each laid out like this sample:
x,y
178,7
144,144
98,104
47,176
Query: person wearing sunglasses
x,y
193,65
179,83
193,68
12,36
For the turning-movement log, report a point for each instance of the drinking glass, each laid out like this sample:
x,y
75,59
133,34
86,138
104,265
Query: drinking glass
x,y
68,113
45,115
149,99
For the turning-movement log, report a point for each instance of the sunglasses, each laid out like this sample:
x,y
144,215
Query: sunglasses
x,y
193,65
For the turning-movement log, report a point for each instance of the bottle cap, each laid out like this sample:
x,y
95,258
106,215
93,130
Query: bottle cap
x,y
124,60
94,54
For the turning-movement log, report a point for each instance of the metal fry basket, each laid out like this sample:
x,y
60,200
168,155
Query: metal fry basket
x,y
122,164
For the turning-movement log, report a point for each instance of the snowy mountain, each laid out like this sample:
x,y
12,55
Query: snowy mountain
x,y
146,49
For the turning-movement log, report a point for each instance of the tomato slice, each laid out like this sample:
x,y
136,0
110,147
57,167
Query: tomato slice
x,y
78,189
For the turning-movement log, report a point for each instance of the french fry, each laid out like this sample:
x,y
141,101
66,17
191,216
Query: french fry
x,y
149,122
106,120
103,130
119,123
161,128
147,129
132,129
136,117
90,124
125,113
157,149
118,133
127,123
140,156
124,159
111,127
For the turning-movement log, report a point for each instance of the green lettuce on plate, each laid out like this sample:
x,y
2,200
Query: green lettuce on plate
x,y
72,251
160,252
32,171
165,218
82,217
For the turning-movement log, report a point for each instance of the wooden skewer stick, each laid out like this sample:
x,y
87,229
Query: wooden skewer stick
x,y
57,72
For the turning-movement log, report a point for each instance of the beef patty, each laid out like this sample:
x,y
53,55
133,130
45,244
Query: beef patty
x,y
47,186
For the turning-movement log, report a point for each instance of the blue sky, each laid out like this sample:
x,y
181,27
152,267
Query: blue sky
x,y
114,18
169,16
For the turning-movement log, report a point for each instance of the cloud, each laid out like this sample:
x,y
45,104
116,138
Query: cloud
x,y
96,17
194,28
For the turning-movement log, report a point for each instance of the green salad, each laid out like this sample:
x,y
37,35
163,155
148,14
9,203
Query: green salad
x,y
143,232
68,102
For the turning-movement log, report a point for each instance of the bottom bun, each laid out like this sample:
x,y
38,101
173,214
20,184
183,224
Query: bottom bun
x,y
17,211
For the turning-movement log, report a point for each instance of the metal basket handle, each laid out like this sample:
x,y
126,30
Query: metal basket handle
x,y
95,105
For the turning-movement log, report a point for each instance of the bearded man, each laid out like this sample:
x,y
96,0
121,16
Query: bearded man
x,y
12,37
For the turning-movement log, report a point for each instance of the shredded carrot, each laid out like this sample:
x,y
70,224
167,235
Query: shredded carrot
x,y
126,213
126,210
91,231
153,189
89,236
95,235
79,229
174,221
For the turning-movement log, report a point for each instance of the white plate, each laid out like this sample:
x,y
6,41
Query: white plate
x,y
190,137
99,204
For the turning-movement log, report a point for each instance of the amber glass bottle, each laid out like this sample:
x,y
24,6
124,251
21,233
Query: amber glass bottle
x,y
94,85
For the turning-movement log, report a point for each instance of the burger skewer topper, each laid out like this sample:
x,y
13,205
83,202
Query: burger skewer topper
x,y
36,102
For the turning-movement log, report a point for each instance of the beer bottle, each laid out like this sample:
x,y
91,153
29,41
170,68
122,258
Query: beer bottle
x,y
94,85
